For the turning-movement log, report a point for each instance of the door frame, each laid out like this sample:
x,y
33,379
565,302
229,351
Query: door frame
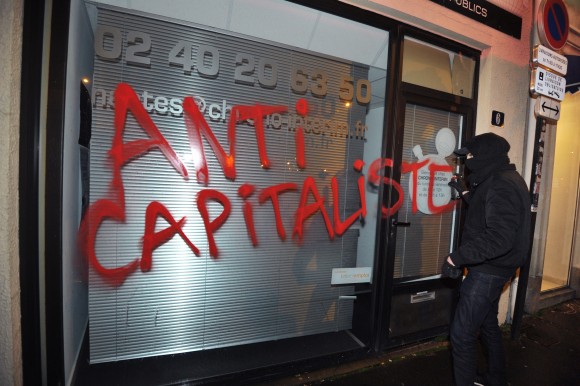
x,y
400,94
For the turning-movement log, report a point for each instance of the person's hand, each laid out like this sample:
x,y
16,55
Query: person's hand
x,y
458,184
448,269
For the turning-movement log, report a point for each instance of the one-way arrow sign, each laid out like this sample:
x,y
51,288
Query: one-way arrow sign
x,y
547,108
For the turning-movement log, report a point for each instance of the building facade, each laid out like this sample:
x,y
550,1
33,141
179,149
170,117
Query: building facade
x,y
238,188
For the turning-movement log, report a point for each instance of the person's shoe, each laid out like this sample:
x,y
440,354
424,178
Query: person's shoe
x,y
479,380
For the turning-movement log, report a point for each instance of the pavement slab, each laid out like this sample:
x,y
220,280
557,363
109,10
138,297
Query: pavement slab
x,y
547,353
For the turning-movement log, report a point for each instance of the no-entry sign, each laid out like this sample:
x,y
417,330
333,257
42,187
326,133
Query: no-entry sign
x,y
553,24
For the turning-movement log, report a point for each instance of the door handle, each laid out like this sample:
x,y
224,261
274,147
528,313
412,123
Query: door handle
x,y
401,224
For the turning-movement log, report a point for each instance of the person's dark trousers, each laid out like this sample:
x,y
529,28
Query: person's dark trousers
x,y
476,313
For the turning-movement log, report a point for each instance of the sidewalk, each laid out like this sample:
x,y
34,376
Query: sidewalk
x,y
547,353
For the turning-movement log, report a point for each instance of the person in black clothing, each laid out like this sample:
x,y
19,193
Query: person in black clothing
x,y
494,244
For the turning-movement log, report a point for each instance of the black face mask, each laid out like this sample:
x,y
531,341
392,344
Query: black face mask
x,y
482,166
476,163
480,162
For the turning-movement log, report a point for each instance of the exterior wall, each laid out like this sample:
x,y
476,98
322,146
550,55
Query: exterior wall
x,y
10,45
503,86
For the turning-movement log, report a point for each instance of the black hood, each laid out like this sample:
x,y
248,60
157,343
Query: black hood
x,y
484,145
490,154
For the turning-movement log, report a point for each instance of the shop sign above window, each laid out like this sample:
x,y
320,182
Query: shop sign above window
x,y
486,13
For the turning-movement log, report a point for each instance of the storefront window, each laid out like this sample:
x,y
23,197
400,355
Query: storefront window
x,y
233,185
562,219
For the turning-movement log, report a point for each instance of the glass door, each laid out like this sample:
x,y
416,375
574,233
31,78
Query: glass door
x,y
435,111
425,224
428,211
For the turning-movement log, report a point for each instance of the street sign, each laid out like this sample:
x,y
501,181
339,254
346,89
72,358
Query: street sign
x,y
547,83
547,108
553,23
550,60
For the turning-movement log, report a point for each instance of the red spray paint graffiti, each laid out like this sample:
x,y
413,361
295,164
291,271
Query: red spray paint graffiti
x,y
113,207
272,193
302,110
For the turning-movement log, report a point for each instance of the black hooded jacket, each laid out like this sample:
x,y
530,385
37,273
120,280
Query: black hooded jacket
x,y
496,233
